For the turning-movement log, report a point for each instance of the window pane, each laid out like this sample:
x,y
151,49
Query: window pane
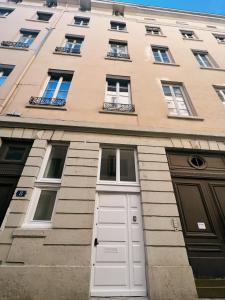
x,y
15,153
108,164
56,162
2,79
45,206
166,90
127,165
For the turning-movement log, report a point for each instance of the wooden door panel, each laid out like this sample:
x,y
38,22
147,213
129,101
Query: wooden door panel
x,y
7,188
196,221
218,190
203,230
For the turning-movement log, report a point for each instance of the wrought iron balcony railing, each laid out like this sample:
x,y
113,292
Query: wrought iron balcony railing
x,y
118,55
67,50
47,101
108,106
10,44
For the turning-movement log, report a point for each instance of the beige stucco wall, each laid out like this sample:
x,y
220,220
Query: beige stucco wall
x,y
86,94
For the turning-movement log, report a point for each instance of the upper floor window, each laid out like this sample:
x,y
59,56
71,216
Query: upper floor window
x,y
72,44
4,12
43,16
81,21
118,49
153,30
220,38
188,34
5,70
221,93
27,37
118,95
162,54
55,90
118,26
41,209
118,11
176,100
118,165
204,59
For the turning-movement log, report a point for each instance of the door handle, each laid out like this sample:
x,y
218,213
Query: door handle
x,y
96,242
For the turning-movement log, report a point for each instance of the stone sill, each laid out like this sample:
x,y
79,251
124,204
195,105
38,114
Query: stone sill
x,y
29,233
118,112
39,21
14,48
212,69
196,40
193,118
3,17
118,58
158,35
64,53
124,31
80,26
221,43
167,64
46,107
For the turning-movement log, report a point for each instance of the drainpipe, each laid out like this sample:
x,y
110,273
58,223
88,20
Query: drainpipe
x,y
35,53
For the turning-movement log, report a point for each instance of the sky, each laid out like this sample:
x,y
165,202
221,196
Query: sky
x,y
204,6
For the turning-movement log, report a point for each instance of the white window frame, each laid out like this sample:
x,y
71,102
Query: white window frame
x,y
118,182
186,33
118,26
198,54
118,92
220,93
174,98
81,21
56,89
150,30
159,49
118,45
42,184
7,12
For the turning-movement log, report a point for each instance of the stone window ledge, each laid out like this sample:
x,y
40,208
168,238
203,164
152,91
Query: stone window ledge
x,y
157,35
196,40
83,26
46,106
118,112
118,58
14,48
40,21
193,118
124,31
167,64
64,53
212,69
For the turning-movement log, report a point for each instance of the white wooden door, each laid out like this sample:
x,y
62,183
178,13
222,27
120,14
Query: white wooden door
x,y
118,249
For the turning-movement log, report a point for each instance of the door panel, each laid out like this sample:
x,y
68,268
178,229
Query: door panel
x,y
118,258
7,188
202,225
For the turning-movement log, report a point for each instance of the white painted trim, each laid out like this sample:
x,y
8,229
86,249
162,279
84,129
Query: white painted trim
x,y
118,188
44,86
44,163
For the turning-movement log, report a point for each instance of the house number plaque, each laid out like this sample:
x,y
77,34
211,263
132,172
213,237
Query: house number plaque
x,y
21,193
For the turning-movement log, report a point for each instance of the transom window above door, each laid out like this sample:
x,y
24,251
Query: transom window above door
x,y
118,165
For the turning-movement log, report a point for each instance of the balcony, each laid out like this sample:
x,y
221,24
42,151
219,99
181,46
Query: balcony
x,y
67,50
47,101
108,106
16,45
118,55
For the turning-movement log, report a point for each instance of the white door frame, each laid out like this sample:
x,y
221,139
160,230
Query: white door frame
x,y
111,189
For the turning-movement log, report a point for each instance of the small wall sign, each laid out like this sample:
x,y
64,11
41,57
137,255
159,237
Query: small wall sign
x,y
201,225
21,193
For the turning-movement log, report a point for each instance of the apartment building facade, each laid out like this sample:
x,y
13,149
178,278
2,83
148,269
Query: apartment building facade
x,y
112,151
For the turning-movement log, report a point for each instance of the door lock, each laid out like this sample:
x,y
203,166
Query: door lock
x,y
96,242
134,219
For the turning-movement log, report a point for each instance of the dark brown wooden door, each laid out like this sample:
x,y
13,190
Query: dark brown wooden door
x,y
13,155
201,203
